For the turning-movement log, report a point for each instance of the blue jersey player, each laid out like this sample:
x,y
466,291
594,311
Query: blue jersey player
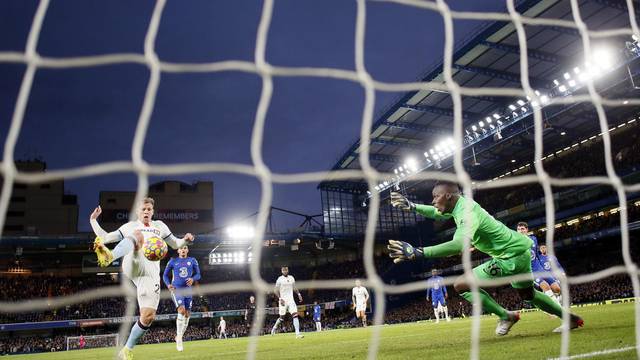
x,y
184,272
541,262
548,283
317,314
438,294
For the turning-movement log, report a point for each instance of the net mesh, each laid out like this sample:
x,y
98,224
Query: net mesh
x,y
267,178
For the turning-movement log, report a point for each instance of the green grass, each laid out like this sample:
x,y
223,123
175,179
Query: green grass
x,y
606,327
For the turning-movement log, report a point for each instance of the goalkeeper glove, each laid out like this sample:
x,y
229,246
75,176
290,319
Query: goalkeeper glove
x,y
400,251
400,201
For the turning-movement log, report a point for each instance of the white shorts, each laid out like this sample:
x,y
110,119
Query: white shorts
x,y
148,289
361,307
289,306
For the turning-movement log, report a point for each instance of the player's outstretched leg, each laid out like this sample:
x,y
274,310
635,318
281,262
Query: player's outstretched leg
x,y
137,331
125,246
436,311
104,255
507,319
505,325
548,305
275,326
556,292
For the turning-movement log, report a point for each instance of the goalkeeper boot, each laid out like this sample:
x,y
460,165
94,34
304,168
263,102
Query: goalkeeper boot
x,y
505,325
125,354
575,322
299,336
105,257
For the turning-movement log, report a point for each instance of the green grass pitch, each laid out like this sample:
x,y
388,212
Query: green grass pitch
x,y
606,327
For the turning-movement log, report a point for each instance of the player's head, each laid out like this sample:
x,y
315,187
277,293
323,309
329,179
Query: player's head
x,y
252,299
145,210
221,318
523,228
543,249
358,282
315,302
284,270
445,196
434,272
183,251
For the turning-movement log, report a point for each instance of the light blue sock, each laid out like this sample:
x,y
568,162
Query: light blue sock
x,y
137,331
124,247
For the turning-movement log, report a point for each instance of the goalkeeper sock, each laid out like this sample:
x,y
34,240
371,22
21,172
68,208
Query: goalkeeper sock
x,y
488,303
123,248
546,304
296,325
137,331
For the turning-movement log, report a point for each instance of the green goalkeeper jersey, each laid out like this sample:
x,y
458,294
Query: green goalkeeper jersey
x,y
487,234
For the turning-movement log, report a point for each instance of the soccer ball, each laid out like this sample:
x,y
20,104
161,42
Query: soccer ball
x,y
155,249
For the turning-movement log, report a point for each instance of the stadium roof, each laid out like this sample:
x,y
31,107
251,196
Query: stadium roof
x,y
420,120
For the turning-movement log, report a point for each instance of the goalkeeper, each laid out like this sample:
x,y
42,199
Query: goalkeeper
x,y
508,249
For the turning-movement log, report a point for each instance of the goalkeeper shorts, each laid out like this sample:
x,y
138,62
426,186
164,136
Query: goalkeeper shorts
x,y
497,268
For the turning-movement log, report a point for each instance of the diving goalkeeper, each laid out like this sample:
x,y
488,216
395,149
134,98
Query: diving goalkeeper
x,y
509,251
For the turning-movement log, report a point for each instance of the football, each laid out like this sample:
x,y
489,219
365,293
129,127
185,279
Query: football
x,y
155,249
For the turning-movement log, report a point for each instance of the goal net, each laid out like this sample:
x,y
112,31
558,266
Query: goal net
x,y
92,341
533,99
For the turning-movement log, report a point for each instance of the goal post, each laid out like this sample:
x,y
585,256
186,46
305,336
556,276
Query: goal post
x,y
92,341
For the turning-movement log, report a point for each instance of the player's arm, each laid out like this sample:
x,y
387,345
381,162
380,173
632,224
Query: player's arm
x,y
444,290
165,275
366,295
353,297
428,293
400,250
196,273
276,291
173,241
297,292
400,201
106,237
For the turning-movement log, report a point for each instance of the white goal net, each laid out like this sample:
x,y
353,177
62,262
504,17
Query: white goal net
x,y
267,178
92,341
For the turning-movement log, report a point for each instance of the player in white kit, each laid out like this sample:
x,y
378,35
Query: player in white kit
x,y
285,286
360,296
144,274
222,328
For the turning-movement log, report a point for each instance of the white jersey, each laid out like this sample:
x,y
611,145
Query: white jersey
x,y
223,325
285,285
134,264
361,294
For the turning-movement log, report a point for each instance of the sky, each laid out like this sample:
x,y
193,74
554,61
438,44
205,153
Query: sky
x,y
77,117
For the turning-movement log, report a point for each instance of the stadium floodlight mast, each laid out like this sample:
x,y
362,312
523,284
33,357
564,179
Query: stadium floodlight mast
x,y
605,61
